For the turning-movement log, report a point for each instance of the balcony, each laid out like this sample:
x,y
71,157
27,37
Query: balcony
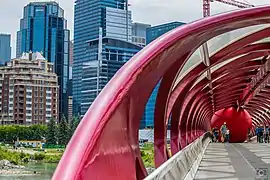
x,y
28,120
28,102
29,108
48,97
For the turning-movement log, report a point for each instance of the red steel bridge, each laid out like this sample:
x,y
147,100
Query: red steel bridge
x,y
227,82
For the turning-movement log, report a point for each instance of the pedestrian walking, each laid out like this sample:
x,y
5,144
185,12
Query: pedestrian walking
x,y
258,134
266,134
248,135
227,135
223,131
213,134
261,133
216,134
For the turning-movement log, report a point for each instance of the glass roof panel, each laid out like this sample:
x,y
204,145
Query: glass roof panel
x,y
219,65
219,42
204,75
265,40
192,62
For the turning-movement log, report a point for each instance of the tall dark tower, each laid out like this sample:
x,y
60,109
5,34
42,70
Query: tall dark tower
x,y
43,28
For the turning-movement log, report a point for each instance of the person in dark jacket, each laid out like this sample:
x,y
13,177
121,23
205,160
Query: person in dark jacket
x,y
266,134
261,133
258,134
216,134
249,135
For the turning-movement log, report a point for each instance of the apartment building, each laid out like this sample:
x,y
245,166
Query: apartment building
x,y
29,90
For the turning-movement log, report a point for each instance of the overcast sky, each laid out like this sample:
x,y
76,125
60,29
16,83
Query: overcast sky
x,y
146,11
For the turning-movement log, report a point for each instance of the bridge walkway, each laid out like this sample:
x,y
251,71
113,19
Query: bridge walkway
x,y
235,162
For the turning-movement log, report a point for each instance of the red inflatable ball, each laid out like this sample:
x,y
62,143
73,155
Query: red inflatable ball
x,y
238,122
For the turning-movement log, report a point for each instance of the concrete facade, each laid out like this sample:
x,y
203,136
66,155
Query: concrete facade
x,y
29,91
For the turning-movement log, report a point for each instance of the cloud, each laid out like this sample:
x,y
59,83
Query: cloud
x,y
146,11
11,11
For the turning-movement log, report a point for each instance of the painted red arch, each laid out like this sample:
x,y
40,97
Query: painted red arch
x,y
105,144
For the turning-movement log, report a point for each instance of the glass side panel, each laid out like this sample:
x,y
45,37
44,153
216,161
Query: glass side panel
x,y
223,40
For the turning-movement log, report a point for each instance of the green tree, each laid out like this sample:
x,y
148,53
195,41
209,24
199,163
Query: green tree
x,y
9,133
52,132
76,123
73,125
38,131
63,134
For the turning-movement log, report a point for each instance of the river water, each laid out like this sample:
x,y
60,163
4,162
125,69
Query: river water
x,y
45,171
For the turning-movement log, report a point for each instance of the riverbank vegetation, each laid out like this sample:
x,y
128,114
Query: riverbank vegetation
x,y
16,157
55,134
147,153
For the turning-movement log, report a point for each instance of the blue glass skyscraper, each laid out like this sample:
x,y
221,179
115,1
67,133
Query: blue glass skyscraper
x,y
5,49
153,33
98,72
113,17
43,28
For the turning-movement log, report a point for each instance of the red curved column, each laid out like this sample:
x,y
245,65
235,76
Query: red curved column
x,y
105,144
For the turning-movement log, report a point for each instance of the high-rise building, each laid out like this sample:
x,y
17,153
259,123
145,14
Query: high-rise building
x,y
71,47
70,97
5,49
139,33
153,33
114,53
114,18
70,113
43,28
29,91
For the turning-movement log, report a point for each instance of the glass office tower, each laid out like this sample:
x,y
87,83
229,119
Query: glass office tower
x,y
153,33
91,15
43,28
139,33
5,49
98,72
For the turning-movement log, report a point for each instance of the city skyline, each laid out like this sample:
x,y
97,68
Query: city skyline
x,y
175,11
100,47
5,48
43,29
